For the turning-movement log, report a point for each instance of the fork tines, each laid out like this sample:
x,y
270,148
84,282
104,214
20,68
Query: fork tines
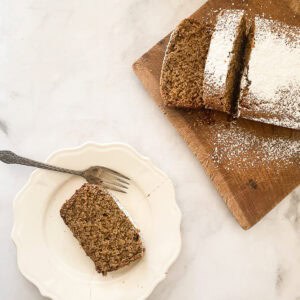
x,y
109,171
115,181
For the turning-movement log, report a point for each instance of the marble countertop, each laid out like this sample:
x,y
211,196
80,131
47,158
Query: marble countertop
x,y
66,78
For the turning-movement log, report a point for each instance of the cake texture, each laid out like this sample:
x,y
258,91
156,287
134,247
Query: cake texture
x,y
102,228
295,5
224,61
270,88
183,66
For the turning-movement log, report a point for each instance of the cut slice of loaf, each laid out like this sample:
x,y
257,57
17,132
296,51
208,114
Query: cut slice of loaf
x,y
184,63
270,88
224,60
102,228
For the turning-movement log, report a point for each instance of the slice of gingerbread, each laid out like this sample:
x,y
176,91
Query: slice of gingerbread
x,y
183,66
224,60
270,88
102,228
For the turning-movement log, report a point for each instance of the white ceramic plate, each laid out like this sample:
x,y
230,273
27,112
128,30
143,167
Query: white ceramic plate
x,y
51,258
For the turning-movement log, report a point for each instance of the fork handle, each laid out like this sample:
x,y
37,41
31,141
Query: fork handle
x,y
9,157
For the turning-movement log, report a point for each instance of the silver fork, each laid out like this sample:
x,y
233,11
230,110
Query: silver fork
x,y
105,177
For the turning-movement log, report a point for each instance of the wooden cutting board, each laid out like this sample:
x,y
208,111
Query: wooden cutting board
x,y
253,165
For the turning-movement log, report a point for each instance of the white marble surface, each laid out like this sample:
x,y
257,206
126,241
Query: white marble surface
x,y
66,78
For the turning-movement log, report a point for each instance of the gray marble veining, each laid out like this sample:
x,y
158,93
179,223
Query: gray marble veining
x,y
3,127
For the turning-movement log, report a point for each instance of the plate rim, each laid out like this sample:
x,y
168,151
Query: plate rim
x,y
44,291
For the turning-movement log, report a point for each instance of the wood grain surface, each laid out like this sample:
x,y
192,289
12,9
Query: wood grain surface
x,y
253,165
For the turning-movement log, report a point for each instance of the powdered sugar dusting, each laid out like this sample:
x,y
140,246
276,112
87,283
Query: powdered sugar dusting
x,y
271,83
221,51
235,147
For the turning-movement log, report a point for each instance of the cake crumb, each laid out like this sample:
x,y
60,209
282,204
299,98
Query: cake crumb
x,y
102,228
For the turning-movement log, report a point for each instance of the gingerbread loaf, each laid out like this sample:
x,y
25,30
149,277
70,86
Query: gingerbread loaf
x,y
270,88
253,75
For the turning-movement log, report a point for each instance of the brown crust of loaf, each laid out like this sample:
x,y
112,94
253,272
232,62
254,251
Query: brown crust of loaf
x,y
103,230
184,63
